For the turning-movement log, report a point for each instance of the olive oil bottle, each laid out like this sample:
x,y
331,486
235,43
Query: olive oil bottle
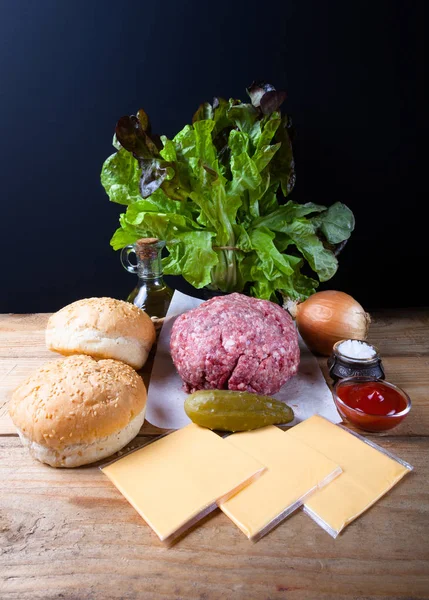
x,y
151,293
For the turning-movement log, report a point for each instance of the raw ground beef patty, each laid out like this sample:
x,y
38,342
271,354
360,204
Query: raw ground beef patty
x,y
235,342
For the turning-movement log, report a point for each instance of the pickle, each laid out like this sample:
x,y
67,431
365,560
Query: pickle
x,y
226,410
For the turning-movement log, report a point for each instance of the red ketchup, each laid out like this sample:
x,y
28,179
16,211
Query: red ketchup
x,y
372,405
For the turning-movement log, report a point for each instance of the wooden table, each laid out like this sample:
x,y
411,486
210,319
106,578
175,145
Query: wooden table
x,y
70,534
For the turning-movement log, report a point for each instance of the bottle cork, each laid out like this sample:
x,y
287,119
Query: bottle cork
x,y
147,248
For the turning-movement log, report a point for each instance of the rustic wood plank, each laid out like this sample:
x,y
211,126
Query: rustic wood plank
x,y
402,337
70,534
403,332
6,426
23,336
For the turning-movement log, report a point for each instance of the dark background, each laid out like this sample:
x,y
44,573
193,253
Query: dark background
x,y
69,70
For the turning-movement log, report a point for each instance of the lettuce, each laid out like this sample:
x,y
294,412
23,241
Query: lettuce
x,y
217,193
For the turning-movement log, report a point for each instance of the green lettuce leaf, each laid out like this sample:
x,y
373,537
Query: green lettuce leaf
x,y
270,126
157,202
336,223
264,155
303,234
192,256
120,177
163,226
204,146
245,174
259,194
185,142
270,257
168,152
244,116
238,142
123,237
268,202
278,219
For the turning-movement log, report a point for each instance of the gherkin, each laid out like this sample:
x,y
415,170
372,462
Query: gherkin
x,y
226,410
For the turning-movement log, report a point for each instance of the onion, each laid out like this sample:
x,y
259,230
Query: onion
x,y
327,317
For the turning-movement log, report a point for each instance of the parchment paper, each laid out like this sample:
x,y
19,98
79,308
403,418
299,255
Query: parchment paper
x,y
306,393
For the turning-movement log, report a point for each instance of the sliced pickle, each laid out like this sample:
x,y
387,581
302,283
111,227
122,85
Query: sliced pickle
x,y
226,410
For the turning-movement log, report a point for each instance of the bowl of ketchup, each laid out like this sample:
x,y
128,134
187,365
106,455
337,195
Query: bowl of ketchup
x,y
371,404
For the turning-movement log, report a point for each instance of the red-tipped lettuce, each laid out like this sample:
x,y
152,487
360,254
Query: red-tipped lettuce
x,y
216,193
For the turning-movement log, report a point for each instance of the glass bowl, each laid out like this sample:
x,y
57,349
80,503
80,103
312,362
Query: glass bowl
x,y
368,421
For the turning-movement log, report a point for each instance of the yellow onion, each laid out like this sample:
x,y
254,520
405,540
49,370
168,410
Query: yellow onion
x,y
327,317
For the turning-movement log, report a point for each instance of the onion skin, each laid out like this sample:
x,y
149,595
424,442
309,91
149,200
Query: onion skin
x,y
328,317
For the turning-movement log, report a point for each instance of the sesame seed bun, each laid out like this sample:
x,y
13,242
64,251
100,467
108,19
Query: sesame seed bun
x,y
77,410
102,328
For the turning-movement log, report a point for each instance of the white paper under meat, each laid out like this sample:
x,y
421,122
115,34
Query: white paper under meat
x,y
306,393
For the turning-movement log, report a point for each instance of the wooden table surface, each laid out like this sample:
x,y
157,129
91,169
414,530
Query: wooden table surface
x,y
70,534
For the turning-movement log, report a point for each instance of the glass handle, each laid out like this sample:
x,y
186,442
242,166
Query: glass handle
x,y
125,259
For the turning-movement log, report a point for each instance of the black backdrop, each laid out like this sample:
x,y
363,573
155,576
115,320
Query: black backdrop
x,y
69,70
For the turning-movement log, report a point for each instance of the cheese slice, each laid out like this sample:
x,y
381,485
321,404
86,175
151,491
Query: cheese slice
x,y
178,479
367,473
294,470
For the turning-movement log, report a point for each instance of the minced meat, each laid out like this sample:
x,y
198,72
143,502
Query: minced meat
x,y
235,342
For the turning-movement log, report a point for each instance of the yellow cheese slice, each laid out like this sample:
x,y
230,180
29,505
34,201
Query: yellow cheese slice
x,y
179,478
294,470
367,473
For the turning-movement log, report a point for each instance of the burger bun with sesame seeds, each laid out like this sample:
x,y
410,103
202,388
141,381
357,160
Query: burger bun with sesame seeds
x,y
76,410
102,328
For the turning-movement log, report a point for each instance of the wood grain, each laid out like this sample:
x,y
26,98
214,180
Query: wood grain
x,y
70,534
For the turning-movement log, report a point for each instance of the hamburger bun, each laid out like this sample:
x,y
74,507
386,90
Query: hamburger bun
x,y
102,328
75,410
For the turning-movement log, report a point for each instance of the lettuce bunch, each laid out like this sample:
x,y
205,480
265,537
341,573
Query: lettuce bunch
x,y
217,194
